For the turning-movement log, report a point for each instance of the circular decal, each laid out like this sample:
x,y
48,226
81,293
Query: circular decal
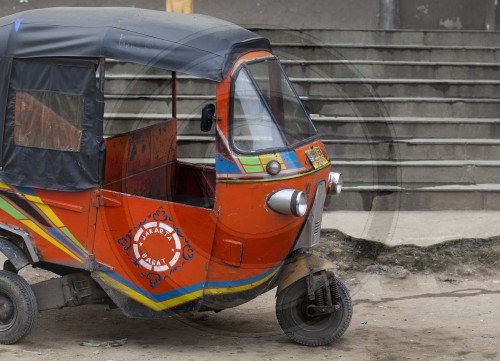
x,y
157,246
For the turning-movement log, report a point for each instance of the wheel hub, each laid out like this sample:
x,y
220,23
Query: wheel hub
x,y
6,308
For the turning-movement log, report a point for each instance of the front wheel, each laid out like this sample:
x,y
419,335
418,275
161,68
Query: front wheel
x,y
291,310
18,308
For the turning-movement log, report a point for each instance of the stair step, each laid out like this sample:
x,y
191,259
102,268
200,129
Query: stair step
x,y
383,52
416,197
403,106
441,37
338,68
446,88
333,106
359,87
150,84
413,149
369,149
188,104
404,172
352,127
391,69
406,127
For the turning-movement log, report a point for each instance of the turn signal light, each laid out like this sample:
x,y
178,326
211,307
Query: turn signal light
x,y
335,183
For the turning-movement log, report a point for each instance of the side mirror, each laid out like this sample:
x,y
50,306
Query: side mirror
x,y
207,117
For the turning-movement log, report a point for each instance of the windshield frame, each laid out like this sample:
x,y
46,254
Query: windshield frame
x,y
288,147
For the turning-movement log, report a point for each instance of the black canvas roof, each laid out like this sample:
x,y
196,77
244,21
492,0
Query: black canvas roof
x,y
193,44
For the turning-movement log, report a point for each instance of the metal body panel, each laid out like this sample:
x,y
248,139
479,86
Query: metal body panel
x,y
310,233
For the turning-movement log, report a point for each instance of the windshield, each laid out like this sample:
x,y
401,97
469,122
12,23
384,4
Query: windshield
x,y
267,114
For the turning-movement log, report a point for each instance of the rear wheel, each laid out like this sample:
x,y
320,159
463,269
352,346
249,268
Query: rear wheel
x,y
18,308
292,313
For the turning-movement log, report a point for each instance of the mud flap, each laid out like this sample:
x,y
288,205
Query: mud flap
x,y
300,266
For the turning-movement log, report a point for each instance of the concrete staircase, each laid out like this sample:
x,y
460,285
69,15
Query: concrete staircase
x,y
412,119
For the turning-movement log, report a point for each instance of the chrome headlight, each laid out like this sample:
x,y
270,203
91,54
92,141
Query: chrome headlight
x,y
335,182
288,201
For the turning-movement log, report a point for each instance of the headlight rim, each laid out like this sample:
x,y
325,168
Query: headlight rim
x,y
288,201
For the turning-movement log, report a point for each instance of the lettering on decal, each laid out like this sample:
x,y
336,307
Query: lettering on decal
x,y
156,246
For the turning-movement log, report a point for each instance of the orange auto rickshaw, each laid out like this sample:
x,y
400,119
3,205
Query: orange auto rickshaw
x,y
120,220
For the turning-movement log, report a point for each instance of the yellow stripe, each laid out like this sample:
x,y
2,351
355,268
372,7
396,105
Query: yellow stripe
x,y
42,233
158,306
224,290
4,186
46,210
54,218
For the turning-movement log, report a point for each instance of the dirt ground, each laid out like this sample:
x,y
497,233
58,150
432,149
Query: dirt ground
x,y
400,313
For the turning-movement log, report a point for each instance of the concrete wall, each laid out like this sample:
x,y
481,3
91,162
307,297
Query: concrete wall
x,y
281,13
314,14
8,7
447,14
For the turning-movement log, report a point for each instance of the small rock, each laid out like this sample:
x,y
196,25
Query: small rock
x,y
398,272
33,352
377,269
467,271
112,343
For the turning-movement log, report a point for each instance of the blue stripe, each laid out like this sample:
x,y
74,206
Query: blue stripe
x,y
289,156
65,241
293,165
182,291
158,298
27,190
223,165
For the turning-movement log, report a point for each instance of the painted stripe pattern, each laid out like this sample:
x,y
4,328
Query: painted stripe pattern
x,y
23,205
180,296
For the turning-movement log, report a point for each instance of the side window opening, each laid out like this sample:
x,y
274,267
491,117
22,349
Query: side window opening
x,y
150,146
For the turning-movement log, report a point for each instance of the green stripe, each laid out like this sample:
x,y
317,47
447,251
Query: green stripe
x,y
249,160
11,210
75,241
272,179
253,168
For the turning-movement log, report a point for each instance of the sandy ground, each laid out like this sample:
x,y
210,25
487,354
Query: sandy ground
x,y
417,318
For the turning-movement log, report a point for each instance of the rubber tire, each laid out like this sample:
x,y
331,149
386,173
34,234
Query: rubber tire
x,y
25,307
319,331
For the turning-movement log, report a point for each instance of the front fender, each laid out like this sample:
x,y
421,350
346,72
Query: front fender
x,y
300,266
